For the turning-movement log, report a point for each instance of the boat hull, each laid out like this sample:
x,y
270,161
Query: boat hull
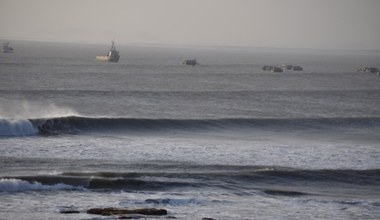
x,y
108,59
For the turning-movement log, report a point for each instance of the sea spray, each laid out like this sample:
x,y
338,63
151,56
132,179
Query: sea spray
x,y
30,110
16,127
15,117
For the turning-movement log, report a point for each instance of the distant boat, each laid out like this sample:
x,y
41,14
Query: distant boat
x,y
287,66
112,56
297,68
6,48
368,69
292,67
192,62
273,69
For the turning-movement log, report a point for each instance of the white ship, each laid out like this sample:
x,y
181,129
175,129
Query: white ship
x,y
112,56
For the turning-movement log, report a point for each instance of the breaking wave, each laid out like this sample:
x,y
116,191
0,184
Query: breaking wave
x,y
232,178
74,125
18,185
17,127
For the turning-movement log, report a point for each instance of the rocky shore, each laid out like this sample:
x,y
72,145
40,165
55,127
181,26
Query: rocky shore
x,y
118,211
121,213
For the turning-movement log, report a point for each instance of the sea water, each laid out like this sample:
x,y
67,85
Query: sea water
x,y
223,139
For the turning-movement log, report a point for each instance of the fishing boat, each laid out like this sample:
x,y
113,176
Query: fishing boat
x,y
112,55
368,69
192,62
6,48
273,69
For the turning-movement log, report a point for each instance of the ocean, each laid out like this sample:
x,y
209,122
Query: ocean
x,y
221,140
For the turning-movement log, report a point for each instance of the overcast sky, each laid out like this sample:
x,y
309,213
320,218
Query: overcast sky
x,y
325,24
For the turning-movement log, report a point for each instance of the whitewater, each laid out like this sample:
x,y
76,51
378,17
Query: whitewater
x,y
222,140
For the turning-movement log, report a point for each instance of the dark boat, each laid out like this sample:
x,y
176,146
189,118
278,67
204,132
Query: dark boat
x,y
6,48
192,62
297,68
273,69
368,69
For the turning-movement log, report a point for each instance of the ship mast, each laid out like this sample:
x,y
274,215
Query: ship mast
x,y
113,46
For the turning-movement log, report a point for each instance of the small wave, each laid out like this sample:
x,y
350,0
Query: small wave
x,y
233,178
356,177
86,124
17,127
60,182
276,192
17,185
173,202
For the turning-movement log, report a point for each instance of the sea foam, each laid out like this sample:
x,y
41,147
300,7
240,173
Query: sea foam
x,y
17,185
17,127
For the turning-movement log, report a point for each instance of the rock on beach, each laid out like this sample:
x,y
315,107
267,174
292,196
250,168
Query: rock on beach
x,y
119,211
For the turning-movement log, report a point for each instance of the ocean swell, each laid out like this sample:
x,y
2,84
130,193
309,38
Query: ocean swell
x,y
246,178
78,124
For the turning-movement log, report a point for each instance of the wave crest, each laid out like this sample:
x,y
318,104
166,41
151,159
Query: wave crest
x,y
17,185
77,124
17,127
232,178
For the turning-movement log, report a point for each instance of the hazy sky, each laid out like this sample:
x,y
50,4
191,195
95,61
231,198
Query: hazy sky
x,y
327,24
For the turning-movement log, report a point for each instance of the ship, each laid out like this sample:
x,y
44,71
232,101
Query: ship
x,y
192,62
273,69
369,69
112,55
6,48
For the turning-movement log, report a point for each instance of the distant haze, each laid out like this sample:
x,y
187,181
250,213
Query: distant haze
x,y
321,24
